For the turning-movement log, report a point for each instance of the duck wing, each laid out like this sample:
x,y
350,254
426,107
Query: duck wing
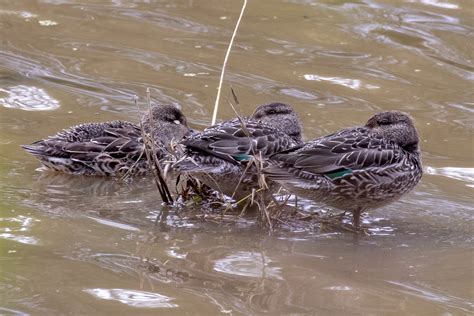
x,y
236,142
338,154
85,142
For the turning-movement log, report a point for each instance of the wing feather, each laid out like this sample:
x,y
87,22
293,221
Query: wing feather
x,y
350,149
232,141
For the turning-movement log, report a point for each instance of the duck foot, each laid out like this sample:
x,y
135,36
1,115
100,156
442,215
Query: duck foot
x,y
335,223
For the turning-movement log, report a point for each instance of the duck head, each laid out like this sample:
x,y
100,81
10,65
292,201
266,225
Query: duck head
x,y
169,123
280,116
397,127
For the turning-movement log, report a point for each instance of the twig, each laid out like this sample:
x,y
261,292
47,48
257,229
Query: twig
x,y
166,196
151,158
144,137
216,105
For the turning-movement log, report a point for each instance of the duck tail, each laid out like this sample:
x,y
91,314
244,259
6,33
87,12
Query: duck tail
x,y
34,149
188,164
275,173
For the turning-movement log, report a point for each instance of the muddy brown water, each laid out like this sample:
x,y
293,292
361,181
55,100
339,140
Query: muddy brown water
x,y
72,245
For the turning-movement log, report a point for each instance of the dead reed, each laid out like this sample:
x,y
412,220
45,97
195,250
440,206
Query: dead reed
x,y
216,207
149,150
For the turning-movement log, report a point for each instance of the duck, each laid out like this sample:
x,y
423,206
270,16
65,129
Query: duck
x,y
111,148
221,155
355,169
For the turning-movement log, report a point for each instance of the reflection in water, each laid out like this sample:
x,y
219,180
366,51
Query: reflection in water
x,y
381,231
114,224
411,28
133,298
433,295
47,23
338,288
20,238
350,83
27,98
462,174
23,14
299,94
15,233
247,264
8,311
441,4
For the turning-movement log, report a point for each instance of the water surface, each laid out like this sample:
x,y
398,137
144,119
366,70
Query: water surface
x,y
91,246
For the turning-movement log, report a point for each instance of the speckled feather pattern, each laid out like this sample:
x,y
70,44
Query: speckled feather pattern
x,y
356,168
110,148
219,156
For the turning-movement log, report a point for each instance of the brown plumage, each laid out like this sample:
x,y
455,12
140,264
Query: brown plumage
x,y
110,148
354,169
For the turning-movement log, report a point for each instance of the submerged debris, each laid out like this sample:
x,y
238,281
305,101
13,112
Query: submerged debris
x,y
197,202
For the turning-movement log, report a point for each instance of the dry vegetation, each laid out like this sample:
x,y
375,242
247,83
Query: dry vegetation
x,y
196,201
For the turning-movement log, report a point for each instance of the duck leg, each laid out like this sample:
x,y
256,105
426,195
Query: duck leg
x,y
356,218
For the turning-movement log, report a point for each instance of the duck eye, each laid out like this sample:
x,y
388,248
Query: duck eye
x,y
383,122
270,112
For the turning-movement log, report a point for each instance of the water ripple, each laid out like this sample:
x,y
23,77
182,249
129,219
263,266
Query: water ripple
x,y
161,19
9,311
133,298
23,224
22,14
461,174
247,264
114,224
27,98
420,29
355,84
437,3
434,295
